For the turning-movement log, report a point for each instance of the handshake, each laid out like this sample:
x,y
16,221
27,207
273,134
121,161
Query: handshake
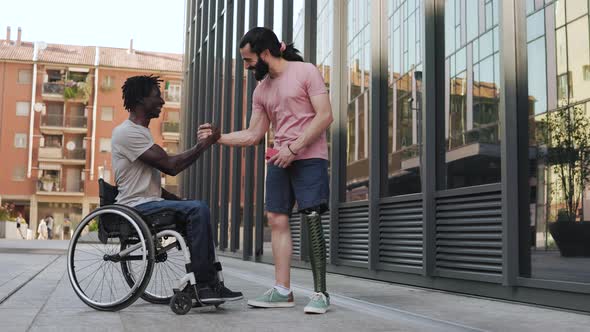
x,y
208,134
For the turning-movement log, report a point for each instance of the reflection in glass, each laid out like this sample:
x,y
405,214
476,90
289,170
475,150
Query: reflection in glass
x,y
404,97
472,94
324,47
559,142
358,79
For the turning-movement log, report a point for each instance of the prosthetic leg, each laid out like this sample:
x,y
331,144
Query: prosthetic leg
x,y
317,249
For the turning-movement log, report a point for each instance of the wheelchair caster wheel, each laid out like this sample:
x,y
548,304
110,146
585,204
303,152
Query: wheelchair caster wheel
x,y
181,303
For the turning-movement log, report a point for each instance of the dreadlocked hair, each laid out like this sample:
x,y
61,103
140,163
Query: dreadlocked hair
x,y
136,88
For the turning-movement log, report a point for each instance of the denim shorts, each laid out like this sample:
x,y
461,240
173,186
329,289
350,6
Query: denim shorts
x,y
305,181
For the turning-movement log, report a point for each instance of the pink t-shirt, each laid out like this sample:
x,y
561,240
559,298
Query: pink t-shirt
x,y
286,101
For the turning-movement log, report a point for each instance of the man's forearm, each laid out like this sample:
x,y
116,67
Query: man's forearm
x,y
318,125
183,160
238,138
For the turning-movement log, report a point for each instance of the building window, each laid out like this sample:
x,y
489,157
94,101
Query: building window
x,y
106,114
20,141
107,84
404,97
358,73
51,141
564,87
472,95
25,76
22,108
18,174
172,93
105,145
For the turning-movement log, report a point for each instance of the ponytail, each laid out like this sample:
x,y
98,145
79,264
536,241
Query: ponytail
x,y
291,53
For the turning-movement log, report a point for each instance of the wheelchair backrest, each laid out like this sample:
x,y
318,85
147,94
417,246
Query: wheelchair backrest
x,y
107,192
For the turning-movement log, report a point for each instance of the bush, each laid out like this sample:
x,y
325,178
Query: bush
x,y
93,226
5,213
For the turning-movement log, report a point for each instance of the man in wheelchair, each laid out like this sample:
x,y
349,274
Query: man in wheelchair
x,y
137,163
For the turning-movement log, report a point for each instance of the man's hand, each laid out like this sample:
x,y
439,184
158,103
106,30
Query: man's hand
x,y
208,134
282,159
156,157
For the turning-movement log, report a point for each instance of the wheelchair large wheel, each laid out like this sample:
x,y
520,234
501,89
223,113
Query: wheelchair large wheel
x,y
169,268
94,267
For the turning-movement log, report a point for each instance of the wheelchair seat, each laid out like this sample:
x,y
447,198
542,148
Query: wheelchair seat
x,y
109,225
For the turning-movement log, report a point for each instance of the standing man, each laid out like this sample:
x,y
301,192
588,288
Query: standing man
x,y
293,97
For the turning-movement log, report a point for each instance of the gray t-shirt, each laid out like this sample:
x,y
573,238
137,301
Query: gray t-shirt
x,y
137,182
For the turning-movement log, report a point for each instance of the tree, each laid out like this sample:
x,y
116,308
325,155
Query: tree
x,y
568,154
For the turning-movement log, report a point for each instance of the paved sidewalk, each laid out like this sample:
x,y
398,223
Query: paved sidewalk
x,y
46,302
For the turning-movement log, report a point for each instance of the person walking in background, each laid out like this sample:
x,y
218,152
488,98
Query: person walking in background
x,y
42,230
66,228
21,225
49,221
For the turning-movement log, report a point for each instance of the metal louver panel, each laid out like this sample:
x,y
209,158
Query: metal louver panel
x,y
353,234
326,228
295,225
400,233
469,233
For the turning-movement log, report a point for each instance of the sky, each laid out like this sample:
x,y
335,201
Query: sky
x,y
154,25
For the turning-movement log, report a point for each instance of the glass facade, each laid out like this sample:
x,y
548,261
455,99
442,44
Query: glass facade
x,y
440,157
559,139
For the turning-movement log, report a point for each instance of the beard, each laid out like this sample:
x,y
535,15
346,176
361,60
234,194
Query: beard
x,y
260,70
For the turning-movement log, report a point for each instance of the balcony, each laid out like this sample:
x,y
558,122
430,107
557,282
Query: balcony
x,y
50,153
76,154
53,91
52,187
171,131
56,124
73,91
62,156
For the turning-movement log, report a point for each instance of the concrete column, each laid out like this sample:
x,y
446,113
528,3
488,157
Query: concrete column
x,y
34,215
85,207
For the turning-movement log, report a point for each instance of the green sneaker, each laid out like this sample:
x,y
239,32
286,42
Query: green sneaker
x,y
318,304
273,299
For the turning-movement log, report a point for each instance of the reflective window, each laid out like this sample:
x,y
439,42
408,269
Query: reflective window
x,y
404,97
472,94
559,142
358,98
325,47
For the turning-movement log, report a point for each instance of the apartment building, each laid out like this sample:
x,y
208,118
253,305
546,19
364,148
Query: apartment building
x,y
58,107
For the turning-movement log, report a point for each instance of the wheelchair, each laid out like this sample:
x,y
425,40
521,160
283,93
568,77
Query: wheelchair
x,y
117,255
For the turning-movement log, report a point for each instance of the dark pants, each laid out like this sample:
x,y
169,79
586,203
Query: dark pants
x,y
198,228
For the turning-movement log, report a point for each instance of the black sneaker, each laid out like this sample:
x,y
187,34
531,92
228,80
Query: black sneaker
x,y
207,295
226,294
